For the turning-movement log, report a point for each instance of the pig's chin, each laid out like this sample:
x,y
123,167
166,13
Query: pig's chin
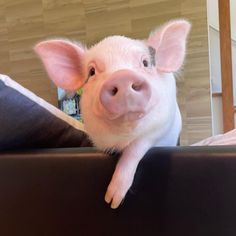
x,y
113,131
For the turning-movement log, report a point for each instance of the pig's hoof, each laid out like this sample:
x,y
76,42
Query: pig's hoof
x,y
114,196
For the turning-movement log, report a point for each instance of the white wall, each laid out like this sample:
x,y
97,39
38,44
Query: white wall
x,y
213,15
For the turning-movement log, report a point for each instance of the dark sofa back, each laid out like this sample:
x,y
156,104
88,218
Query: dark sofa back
x,y
181,191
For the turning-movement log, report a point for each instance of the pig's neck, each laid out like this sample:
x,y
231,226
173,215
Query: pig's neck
x,y
172,135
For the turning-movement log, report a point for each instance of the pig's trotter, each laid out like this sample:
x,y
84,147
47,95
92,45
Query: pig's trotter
x,y
123,176
117,190
121,182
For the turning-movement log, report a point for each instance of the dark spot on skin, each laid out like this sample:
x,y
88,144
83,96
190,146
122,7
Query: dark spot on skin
x,y
152,52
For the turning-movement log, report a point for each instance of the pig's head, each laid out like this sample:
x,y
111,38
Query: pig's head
x,y
129,87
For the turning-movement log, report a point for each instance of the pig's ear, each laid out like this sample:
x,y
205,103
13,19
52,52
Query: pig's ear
x,y
63,61
169,42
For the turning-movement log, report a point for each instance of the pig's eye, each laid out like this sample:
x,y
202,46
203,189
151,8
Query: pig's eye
x,y
92,72
145,63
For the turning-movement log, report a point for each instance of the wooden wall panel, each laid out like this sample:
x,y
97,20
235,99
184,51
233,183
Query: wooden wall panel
x,y
226,65
25,22
196,103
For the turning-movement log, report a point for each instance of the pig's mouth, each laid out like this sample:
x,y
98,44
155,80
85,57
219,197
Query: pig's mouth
x,y
131,114
127,117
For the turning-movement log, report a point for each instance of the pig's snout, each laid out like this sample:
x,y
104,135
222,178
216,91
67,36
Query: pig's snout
x,y
125,93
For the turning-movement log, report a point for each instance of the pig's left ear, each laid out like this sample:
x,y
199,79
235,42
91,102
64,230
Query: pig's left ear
x,y
63,61
169,42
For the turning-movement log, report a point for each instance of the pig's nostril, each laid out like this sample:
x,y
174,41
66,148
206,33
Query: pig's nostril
x,y
136,87
114,91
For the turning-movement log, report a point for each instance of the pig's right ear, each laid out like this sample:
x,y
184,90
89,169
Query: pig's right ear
x,y
169,43
63,61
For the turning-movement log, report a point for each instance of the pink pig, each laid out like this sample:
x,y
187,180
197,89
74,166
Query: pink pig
x,y
129,99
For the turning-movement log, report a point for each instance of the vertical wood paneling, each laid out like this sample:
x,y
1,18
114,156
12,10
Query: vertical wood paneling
x,y
25,22
226,65
196,106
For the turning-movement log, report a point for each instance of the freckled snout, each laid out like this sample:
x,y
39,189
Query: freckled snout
x,y
125,93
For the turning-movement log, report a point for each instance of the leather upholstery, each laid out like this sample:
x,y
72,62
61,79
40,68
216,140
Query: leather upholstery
x,y
179,191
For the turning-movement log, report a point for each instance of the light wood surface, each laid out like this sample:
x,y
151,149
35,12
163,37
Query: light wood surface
x,y
25,22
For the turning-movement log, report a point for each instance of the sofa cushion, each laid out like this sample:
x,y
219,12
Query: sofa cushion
x,y
28,121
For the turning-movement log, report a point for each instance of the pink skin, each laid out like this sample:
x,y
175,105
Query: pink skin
x,y
129,100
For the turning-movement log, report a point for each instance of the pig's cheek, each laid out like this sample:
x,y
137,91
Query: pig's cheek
x,y
90,100
98,109
156,96
96,106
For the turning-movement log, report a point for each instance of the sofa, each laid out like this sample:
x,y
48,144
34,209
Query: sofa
x,y
53,181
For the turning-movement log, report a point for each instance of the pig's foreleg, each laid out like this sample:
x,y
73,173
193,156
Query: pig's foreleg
x,y
123,176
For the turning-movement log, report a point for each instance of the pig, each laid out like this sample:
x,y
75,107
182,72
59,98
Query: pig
x,y
129,99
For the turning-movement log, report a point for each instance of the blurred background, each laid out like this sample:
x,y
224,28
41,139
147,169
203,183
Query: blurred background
x,y
23,23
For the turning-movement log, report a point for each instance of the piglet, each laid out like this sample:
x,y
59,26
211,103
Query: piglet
x,y
129,93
